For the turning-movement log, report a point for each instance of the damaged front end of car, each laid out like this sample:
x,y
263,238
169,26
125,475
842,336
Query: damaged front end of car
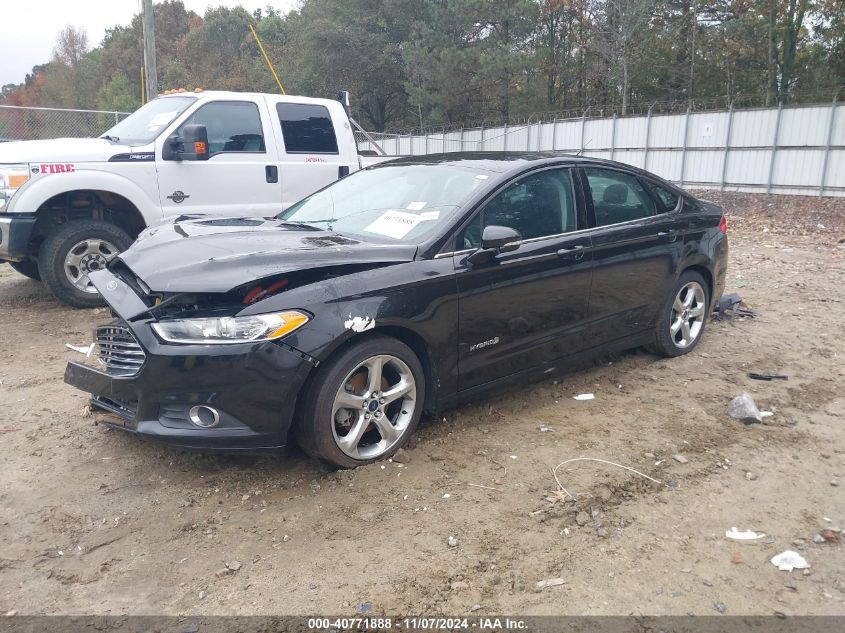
x,y
182,369
204,352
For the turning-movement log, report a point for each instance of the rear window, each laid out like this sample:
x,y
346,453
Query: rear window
x,y
307,129
668,199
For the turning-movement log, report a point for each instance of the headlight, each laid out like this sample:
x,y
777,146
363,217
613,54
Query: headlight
x,y
12,178
261,327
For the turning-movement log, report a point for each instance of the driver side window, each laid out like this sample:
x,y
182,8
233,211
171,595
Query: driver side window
x,y
233,126
537,205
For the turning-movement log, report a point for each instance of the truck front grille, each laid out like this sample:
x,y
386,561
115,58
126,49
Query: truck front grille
x,y
118,350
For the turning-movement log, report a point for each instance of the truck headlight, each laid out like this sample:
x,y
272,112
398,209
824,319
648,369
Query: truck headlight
x,y
12,178
261,327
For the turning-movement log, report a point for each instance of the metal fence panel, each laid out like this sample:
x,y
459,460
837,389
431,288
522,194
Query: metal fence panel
x,y
753,127
705,127
807,126
746,167
798,167
667,131
631,132
665,164
791,150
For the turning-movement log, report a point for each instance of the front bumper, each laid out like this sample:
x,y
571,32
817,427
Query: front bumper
x,y
15,234
253,386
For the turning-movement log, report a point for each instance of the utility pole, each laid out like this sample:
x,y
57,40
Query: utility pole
x,y
150,50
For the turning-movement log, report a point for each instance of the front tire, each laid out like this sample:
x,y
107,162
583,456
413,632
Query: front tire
x,y
683,316
363,405
27,268
72,251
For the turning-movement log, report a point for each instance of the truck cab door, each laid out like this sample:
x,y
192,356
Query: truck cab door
x,y
240,174
317,145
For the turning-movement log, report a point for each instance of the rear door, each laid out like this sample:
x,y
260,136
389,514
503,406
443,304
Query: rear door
x,y
317,145
525,307
238,177
636,249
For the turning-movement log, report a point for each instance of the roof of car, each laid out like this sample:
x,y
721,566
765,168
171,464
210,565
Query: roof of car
x,y
499,161
507,163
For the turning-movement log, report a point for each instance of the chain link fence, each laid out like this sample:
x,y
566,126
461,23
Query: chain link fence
x,y
19,123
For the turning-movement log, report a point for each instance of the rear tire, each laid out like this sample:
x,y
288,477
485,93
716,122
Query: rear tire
x,y
74,249
683,316
27,268
363,405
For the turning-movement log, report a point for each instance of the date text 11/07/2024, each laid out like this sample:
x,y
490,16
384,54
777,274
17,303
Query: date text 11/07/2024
x,y
418,623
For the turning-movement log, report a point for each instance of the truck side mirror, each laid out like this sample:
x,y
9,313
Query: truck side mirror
x,y
194,142
192,145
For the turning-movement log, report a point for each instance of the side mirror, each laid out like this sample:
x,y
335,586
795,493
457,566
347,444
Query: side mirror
x,y
192,145
495,240
500,238
194,142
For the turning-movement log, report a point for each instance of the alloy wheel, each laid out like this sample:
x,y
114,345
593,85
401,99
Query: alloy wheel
x,y
688,314
87,256
373,407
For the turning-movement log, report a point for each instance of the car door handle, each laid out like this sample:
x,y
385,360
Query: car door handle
x,y
272,173
576,251
671,235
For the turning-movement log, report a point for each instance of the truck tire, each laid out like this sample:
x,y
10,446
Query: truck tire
x,y
74,249
27,268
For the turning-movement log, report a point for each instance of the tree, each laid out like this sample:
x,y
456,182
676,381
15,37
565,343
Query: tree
x,y
118,95
71,45
459,62
622,25
556,46
356,45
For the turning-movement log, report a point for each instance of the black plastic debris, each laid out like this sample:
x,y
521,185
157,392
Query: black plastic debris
x,y
728,307
769,377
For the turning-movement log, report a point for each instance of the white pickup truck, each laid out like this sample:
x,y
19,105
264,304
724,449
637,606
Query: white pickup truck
x,y
69,205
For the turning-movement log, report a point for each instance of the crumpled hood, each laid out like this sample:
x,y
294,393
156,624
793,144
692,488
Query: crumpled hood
x,y
60,150
219,254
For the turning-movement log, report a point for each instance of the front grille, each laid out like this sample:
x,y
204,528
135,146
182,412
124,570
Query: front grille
x,y
118,350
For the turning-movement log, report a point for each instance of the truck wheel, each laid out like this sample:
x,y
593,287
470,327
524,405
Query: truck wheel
x,y
27,268
72,251
363,405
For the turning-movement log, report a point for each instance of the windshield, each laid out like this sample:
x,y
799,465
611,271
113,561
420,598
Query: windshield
x,y
404,203
147,122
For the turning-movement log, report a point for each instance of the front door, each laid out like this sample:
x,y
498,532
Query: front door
x,y
528,306
240,176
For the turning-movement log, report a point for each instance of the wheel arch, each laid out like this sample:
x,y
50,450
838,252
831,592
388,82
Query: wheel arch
x,y
53,197
704,271
421,348
86,204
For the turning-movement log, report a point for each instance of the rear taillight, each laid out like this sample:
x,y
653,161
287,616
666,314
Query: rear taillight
x,y
723,225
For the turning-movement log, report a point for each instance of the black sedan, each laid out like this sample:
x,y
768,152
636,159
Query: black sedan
x,y
402,289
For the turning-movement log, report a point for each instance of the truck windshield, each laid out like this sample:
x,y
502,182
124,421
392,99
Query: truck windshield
x,y
404,203
147,122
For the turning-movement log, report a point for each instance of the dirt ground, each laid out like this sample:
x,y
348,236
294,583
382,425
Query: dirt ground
x,y
95,521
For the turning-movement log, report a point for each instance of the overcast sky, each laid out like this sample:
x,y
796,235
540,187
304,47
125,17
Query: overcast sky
x,y
29,29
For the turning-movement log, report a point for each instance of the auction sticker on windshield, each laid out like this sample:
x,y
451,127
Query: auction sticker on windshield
x,y
395,224
160,120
